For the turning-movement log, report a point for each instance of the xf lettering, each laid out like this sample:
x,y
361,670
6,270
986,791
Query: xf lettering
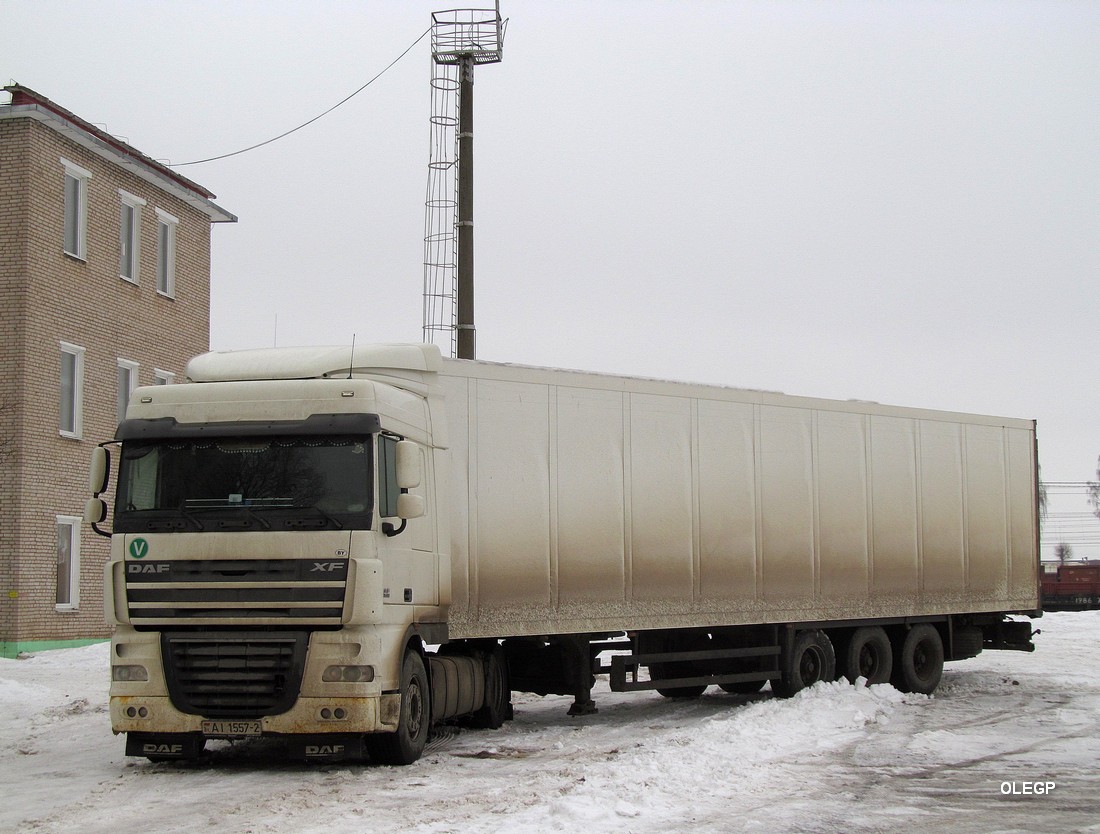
x,y
327,567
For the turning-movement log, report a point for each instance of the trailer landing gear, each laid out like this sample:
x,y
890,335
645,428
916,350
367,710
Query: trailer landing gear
x,y
555,666
577,659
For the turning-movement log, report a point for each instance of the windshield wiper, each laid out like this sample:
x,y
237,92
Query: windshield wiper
x,y
253,514
190,517
335,521
224,507
161,518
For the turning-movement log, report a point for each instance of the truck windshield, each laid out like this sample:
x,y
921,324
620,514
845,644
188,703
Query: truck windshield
x,y
237,483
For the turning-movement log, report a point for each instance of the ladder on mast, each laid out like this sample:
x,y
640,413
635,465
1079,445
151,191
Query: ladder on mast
x,y
461,39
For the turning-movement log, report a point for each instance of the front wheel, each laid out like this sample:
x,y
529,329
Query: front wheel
x,y
407,744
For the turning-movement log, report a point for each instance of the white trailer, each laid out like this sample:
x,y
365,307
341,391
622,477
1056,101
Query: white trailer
x,y
343,546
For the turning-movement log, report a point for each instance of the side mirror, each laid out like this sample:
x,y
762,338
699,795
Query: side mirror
x,y
409,505
408,466
95,511
100,472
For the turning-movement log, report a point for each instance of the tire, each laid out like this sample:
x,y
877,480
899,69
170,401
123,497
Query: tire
x,y
968,642
918,664
869,655
810,660
498,695
407,744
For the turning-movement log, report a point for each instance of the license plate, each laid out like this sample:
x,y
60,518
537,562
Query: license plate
x,y
233,729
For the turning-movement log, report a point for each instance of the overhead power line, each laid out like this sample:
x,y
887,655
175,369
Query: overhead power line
x,y
311,121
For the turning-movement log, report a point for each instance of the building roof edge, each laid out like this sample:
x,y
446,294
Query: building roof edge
x,y
25,102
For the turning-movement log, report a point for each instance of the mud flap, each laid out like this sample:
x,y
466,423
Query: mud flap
x,y
164,746
334,747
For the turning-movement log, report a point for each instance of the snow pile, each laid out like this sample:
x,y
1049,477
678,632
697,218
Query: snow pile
x,y
743,747
835,758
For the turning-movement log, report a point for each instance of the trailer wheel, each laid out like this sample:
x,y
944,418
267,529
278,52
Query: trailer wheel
x,y
498,695
405,746
810,660
919,664
869,655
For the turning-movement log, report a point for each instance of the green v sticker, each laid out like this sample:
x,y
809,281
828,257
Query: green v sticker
x,y
139,548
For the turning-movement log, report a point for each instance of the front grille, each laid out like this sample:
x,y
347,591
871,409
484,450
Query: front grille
x,y
234,675
236,591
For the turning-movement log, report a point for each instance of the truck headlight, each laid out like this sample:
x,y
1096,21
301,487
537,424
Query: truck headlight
x,y
348,674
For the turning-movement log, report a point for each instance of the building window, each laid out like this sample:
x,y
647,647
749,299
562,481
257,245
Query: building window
x,y
129,236
166,253
68,562
163,377
127,382
76,209
72,390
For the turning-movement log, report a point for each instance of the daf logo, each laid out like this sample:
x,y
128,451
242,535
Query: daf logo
x,y
162,749
148,567
326,567
324,749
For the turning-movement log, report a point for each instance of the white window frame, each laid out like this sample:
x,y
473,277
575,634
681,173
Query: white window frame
x,y
130,369
163,377
76,431
76,214
167,225
129,236
73,523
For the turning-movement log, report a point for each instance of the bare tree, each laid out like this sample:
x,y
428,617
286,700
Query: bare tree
x,y
1063,552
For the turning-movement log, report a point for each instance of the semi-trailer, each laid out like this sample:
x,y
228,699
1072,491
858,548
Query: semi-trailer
x,y
343,546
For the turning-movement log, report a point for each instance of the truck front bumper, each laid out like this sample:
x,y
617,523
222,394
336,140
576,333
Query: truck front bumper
x,y
308,716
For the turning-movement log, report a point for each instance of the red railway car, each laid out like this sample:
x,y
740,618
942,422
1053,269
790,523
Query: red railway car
x,y
1072,588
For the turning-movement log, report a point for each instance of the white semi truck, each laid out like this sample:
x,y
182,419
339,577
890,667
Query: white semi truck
x,y
344,546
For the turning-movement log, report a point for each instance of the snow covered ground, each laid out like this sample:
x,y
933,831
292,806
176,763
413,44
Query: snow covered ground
x,y
837,758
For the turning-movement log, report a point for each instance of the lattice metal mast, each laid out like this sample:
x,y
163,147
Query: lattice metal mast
x,y
461,39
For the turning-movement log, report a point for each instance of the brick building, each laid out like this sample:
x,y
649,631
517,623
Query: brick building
x,y
104,285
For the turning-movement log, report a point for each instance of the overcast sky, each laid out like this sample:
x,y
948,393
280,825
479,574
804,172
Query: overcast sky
x,y
896,202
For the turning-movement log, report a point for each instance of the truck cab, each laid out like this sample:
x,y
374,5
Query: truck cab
x,y
277,550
